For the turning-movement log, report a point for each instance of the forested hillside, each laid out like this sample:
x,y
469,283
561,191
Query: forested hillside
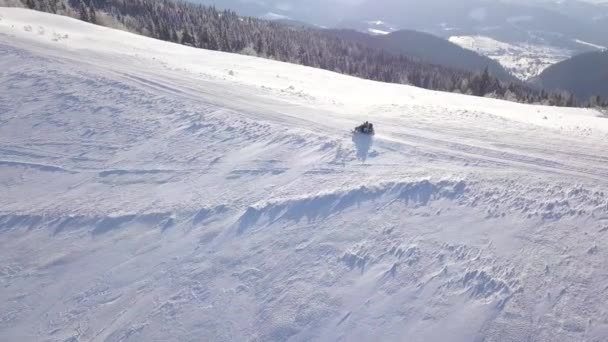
x,y
428,48
209,28
584,75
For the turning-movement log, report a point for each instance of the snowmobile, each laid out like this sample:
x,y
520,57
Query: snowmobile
x,y
365,128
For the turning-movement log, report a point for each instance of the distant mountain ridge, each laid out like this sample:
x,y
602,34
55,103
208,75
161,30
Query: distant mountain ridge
x,y
555,23
585,75
428,48
570,26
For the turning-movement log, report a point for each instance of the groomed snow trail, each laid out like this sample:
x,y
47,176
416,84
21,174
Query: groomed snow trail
x,y
155,192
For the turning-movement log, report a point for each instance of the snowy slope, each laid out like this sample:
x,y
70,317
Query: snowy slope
x,y
155,192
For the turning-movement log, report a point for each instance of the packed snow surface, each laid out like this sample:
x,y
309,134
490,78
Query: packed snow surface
x,y
155,192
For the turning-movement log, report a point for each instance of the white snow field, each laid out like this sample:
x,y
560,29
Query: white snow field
x,y
156,192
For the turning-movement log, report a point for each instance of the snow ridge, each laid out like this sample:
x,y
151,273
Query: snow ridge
x,y
317,207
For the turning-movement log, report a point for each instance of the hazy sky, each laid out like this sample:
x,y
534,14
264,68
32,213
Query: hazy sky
x,y
334,12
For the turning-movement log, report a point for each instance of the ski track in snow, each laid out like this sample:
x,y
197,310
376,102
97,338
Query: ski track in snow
x,y
157,192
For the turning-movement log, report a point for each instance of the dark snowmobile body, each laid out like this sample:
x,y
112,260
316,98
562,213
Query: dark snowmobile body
x,y
365,128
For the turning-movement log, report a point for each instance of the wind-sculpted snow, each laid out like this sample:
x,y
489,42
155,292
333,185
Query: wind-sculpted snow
x,y
97,225
323,205
154,192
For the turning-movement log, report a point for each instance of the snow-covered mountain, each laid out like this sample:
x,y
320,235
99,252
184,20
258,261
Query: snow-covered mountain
x,y
538,33
558,24
430,49
156,192
524,60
